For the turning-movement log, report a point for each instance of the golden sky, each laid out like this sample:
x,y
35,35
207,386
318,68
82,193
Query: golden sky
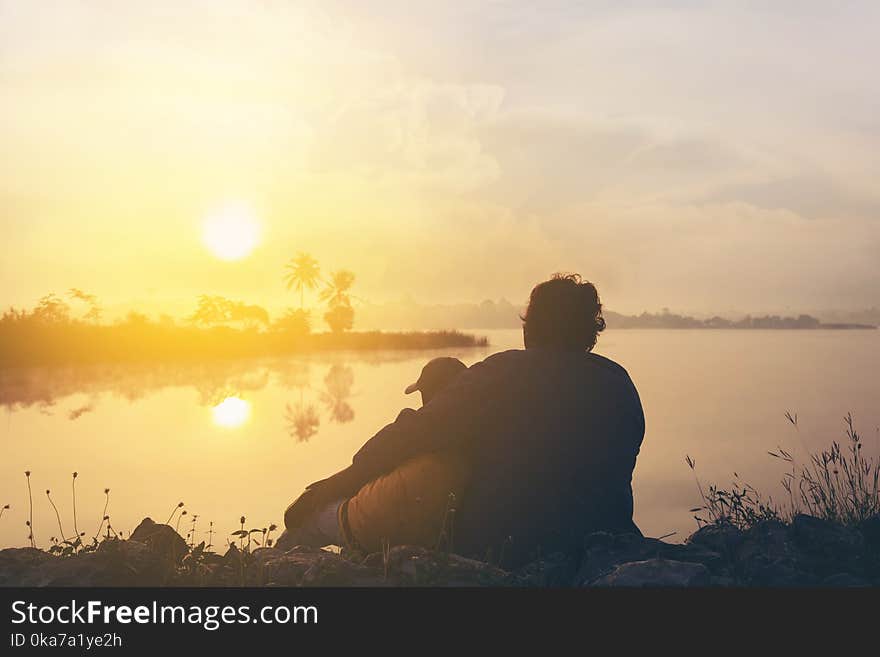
x,y
700,156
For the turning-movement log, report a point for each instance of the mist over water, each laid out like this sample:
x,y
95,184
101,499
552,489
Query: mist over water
x,y
244,437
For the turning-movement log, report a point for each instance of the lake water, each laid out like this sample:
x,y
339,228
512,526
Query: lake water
x,y
244,437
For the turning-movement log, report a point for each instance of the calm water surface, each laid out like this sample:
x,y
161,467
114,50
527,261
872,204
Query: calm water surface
x,y
244,437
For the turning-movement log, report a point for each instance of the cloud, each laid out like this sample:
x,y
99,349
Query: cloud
x,y
808,194
688,157
726,255
552,160
413,132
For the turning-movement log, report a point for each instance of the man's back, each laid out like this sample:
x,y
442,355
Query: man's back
x,y
553,454
552,436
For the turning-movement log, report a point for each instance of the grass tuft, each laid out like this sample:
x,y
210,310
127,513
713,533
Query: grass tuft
x,y
839,484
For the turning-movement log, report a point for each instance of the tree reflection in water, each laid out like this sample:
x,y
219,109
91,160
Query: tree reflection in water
x,y
302,421
337,391
52,389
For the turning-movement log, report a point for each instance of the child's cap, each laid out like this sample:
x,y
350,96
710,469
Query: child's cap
x,y
436,374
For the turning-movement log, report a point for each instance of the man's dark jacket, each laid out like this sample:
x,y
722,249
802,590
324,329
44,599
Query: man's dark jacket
x,y
552,436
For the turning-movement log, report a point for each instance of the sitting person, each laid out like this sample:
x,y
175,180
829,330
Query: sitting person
x,y
547,436
409,505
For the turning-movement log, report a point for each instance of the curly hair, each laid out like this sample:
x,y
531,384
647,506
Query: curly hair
x,y
563,313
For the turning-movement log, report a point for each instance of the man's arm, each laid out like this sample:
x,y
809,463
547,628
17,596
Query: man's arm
x,y
407,436
347,481
447,419
340,485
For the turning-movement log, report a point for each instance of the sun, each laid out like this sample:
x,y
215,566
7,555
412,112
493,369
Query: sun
x,y
232,232
231,412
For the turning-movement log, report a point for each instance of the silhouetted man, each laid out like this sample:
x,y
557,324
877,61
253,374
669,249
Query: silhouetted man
x,y
547,437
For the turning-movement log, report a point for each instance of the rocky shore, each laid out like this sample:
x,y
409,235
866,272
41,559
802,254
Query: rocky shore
x,y
807,552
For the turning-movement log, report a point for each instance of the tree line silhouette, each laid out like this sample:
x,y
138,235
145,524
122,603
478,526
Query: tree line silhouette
x,y
667,319
69,330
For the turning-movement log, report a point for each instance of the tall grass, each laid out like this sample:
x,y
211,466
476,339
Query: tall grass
x,y
104,516
57,515
839,484
196,562
30,520
73,489
741,505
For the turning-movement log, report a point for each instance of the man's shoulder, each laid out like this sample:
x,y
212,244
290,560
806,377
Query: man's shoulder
x,y
501,364
607,365
525,357
502,357
531,365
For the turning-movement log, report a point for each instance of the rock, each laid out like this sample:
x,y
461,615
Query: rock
x,y
374,560
318,568
416,566
162,539
264,554
656,573
827,548
844,580
766,557
303,549
557,570
778,573
17,564
146,566
722,538
256,574
808,552
603,552
233,556
827,539
333,570
870,530
115,563
697,553
767,539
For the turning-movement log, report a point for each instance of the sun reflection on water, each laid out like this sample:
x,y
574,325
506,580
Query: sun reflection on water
x,y
231,412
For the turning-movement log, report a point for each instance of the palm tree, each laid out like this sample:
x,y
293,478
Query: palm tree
x,y
336,292
302,272
340,314
340,318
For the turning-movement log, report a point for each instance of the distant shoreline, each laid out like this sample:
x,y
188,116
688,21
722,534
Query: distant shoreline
x,y
83,344
132,342
773,322
820,327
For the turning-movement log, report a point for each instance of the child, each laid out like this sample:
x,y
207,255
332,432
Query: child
x,y
408,505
